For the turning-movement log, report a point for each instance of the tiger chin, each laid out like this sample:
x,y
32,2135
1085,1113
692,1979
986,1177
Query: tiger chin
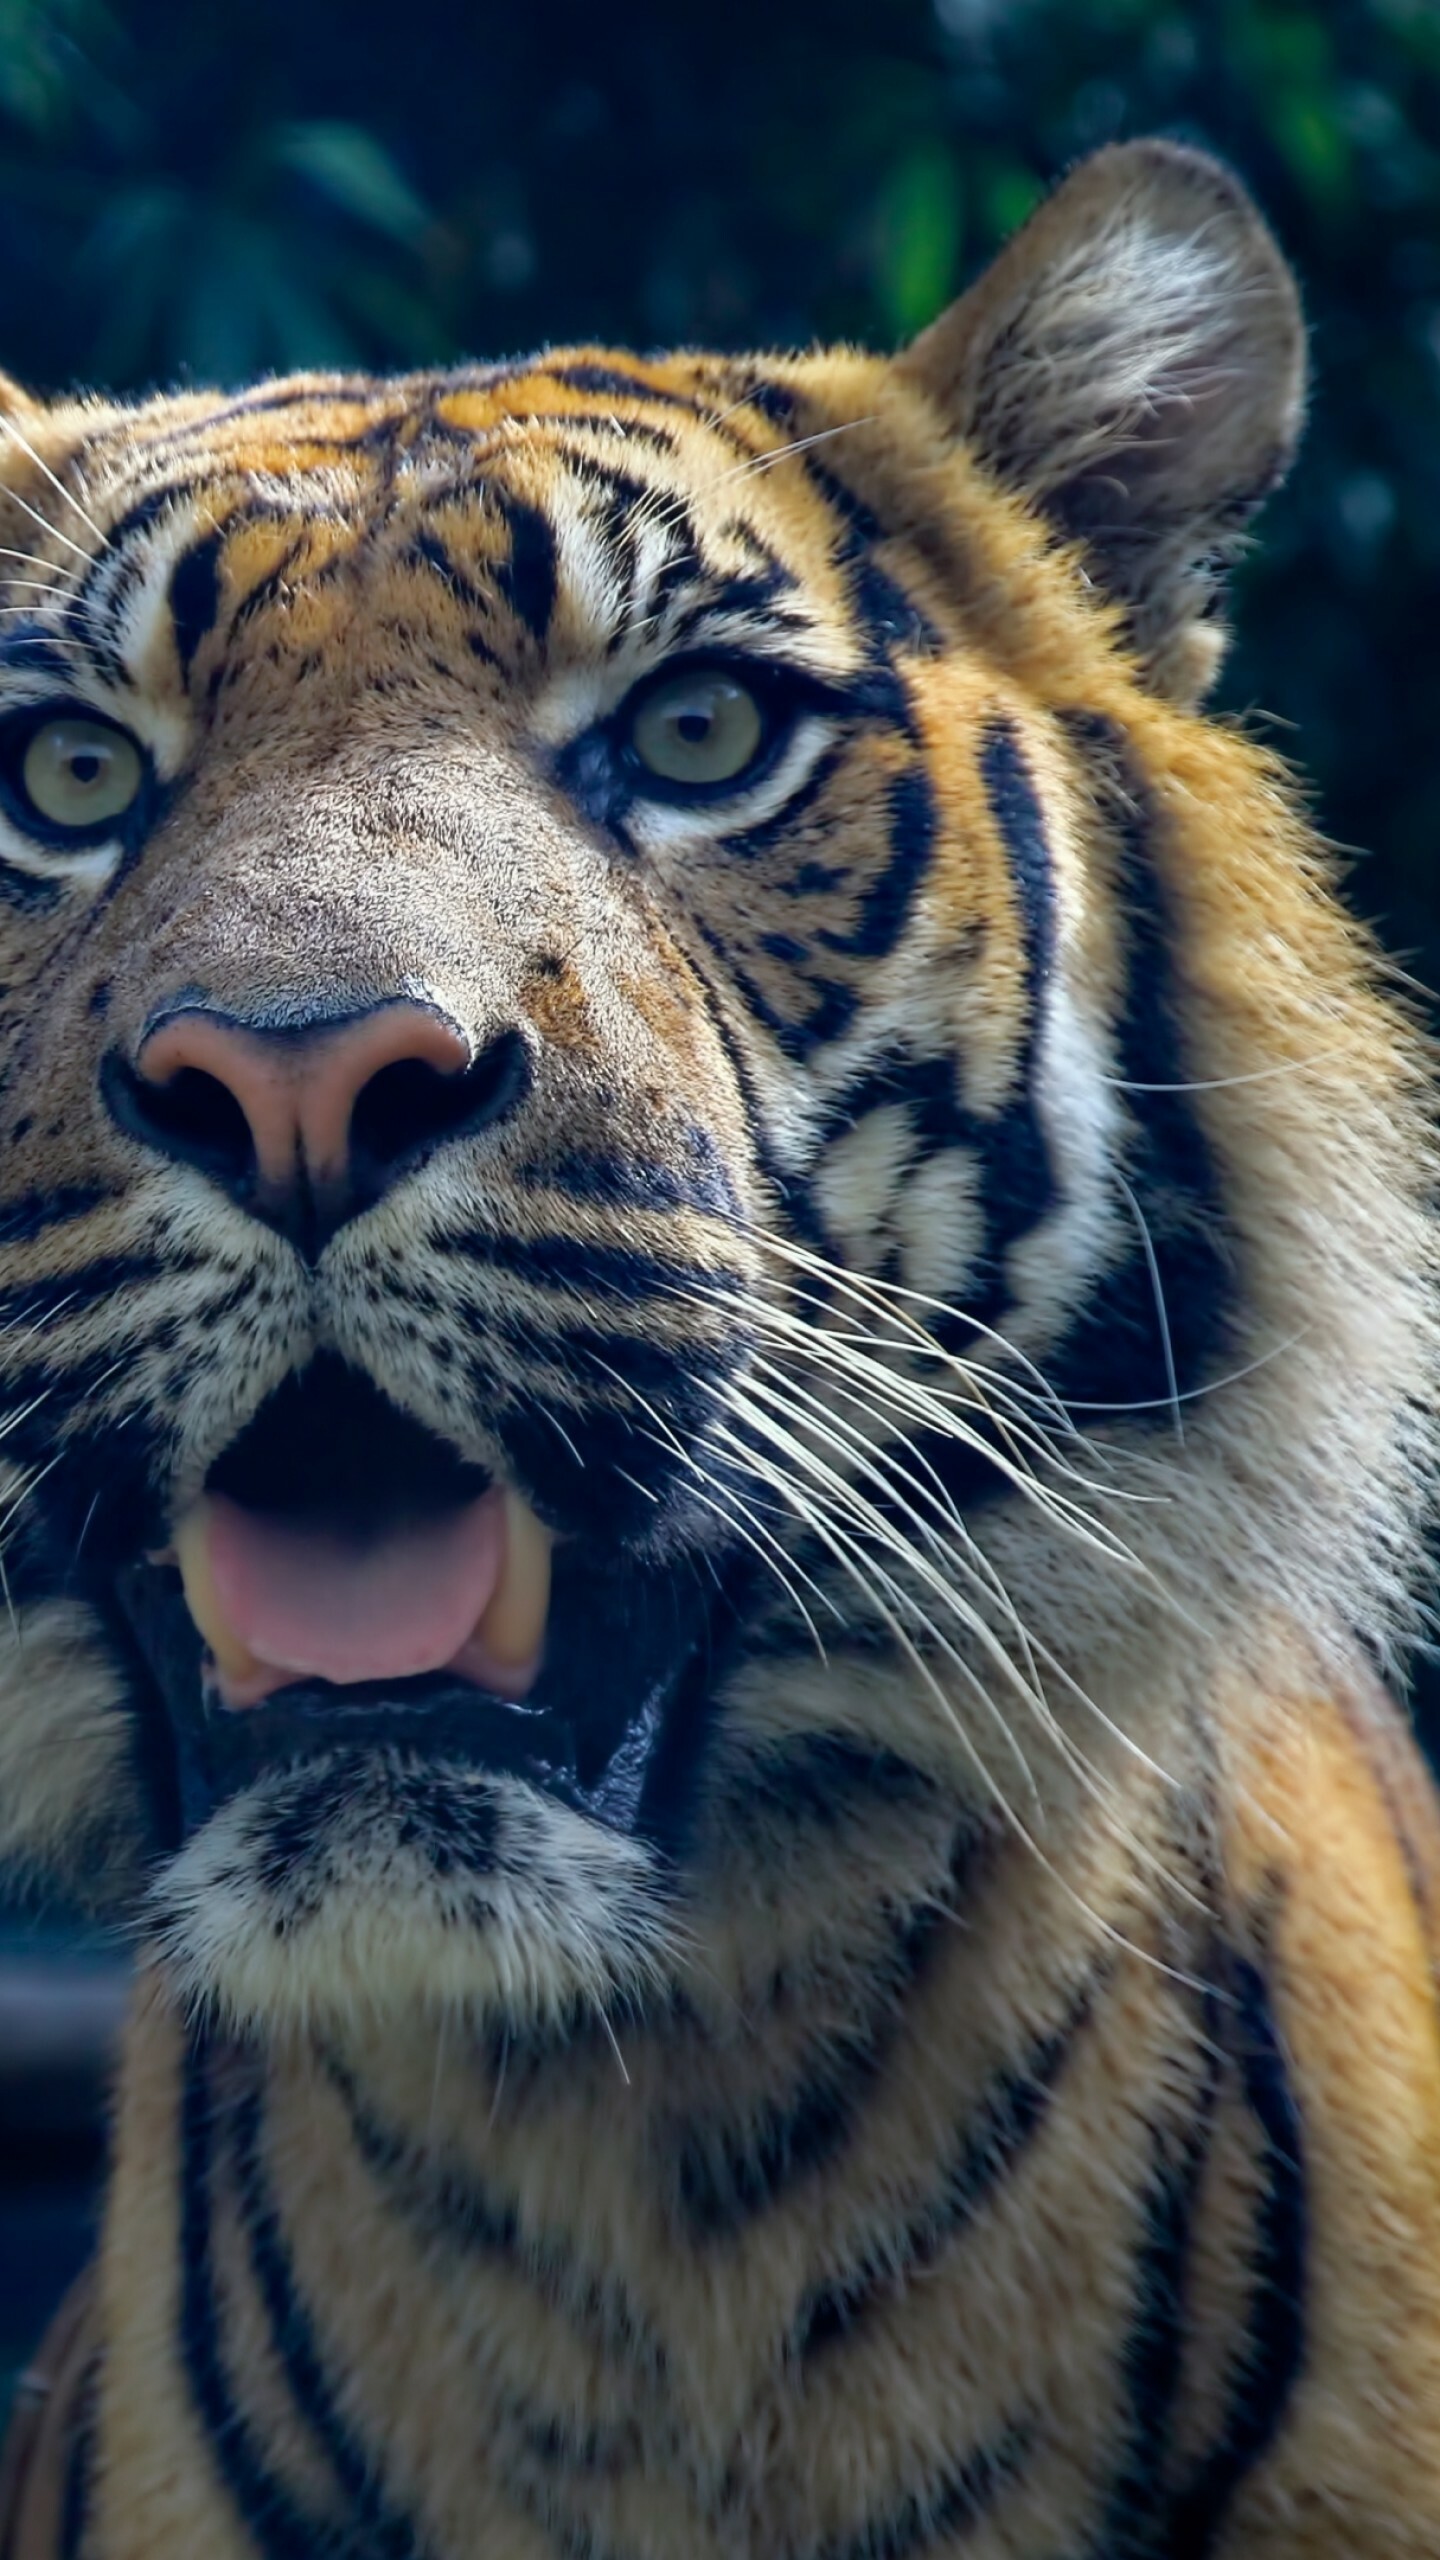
x,y
717,1368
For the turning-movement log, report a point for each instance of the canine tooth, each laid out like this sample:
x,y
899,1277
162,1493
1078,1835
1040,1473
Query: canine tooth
x,y
233,1659
514,1622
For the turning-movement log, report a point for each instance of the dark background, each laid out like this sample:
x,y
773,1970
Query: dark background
x,y
196,193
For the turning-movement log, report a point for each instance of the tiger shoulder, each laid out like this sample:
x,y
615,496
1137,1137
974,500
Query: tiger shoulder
x,y
717,1405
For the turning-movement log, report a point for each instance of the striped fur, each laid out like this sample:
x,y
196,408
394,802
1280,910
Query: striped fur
x,y
963,1245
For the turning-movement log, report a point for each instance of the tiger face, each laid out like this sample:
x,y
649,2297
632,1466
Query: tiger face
x,y
637,1100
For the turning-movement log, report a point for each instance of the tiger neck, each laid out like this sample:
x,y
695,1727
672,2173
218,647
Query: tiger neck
x,y
662,2216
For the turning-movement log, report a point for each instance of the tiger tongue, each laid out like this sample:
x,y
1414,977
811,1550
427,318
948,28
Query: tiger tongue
x,y
276,1599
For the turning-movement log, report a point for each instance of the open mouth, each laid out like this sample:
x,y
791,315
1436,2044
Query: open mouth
x,y
347,1581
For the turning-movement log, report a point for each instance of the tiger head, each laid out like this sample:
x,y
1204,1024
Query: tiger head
x,y
673,1136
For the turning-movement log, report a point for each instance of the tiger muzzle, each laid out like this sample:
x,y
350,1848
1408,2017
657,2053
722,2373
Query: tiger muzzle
x,y
346,1581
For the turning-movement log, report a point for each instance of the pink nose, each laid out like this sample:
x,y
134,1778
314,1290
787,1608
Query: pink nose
x,y
298,1097
307,1127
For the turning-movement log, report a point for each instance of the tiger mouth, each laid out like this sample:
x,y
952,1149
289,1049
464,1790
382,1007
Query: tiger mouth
x,y
346,1582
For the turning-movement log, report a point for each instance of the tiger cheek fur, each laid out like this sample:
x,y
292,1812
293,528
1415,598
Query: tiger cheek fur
x,y
636,990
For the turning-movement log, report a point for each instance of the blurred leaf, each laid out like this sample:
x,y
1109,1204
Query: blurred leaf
x,y
46,80
356,173
919,219
133,254
1315,146
1009,196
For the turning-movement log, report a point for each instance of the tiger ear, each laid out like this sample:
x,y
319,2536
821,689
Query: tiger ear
x,y
1134,362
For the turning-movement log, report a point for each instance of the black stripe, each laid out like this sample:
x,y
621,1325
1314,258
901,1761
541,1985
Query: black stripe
x,y
296,2348
884,910
1015,806
602,378
821,1779
639,435
359,388
1136,2514
956,2503
1017,1180
636,1182
280,2529
28,649
777,829
268,590
730,2174
1006,2122
34,1211
888,616
926,1087
861,521
791,1191
1114,1353
574,1262
1015,1173
195,597
26,891
776,402
526,581
65,1294
450,2206
887,900
1275,2345
617,1363
138,518
427,551
756,598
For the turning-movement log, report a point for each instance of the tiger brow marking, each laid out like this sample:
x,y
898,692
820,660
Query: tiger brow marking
x,y
194,595
528,580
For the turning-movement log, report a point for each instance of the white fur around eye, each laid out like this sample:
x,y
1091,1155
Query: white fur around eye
x,y
87,863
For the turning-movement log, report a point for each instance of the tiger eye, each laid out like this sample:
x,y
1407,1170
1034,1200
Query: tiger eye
x,y
701,728
81,773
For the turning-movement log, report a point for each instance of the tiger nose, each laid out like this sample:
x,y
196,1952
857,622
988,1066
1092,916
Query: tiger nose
x,y
306,1125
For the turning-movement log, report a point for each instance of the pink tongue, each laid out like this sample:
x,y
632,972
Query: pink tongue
x,y
341,1609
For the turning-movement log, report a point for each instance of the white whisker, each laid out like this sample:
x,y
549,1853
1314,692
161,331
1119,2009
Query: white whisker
x,y
1162,1318
56,484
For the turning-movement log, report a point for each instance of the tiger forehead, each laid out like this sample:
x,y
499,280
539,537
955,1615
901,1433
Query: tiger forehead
x,y
581,512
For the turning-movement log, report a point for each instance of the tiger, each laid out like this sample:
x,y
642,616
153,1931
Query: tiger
x,y
719,1350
